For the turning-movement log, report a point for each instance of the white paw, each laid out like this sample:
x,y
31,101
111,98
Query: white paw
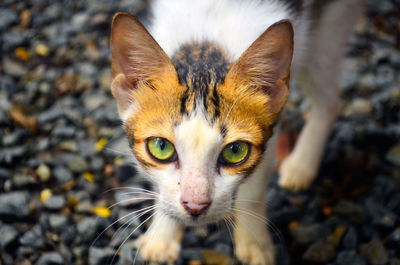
x,y
296,174
253,254
159,250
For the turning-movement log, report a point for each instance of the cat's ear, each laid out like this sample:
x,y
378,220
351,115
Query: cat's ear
x,y
135,56
266,64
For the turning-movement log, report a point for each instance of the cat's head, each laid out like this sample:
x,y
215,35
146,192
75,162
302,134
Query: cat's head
x,y
198,124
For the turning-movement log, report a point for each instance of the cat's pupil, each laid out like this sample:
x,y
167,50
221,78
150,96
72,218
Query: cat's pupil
x,y
162,144
235,148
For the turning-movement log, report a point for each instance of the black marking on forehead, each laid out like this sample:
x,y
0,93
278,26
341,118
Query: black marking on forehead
x,y
201,67
295,6
224,131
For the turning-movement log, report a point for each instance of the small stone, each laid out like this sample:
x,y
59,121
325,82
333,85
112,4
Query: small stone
x,y
88,228
374,252
63,131
50,258
5,173
101,256
57,222
349,257
350,240
7,18
69,146
321,251
51,114
15,204
33,237
8,235
393,156
309,233
77,165
9,155
358,107
56,202
14,68
43,171
97,163
394,238
350,210
62,175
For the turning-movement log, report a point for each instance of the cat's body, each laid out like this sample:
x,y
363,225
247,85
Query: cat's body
x,y
200,107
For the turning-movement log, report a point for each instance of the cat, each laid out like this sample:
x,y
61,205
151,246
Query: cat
x,y
199,94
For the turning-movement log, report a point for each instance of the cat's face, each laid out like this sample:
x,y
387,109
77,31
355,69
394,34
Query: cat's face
x,y
197,147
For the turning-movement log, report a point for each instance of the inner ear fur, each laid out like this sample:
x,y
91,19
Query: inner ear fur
x,y
136,56
266,65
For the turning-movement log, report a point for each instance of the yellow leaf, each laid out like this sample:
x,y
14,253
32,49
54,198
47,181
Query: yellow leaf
x,y
22,54
42,50
72,200
88,176
101,143
118,161
293,224
45,194
102,211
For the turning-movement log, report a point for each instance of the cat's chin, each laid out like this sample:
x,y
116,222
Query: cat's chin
x,y
195,221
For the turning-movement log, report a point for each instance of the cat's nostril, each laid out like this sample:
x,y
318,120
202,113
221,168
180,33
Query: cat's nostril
x,y
196,209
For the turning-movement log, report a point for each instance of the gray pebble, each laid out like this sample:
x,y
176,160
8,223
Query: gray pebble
x,y
349,257
97,163
63,131
51,114
15,204
88,228
33,238
56,202
10,154
62,175
50,258
5,173
350,240
394,238
57,222
7,18
8,235
101,256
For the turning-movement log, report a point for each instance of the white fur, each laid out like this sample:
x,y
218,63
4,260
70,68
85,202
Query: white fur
x,y
234,24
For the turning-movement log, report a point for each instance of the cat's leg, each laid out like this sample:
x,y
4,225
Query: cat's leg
x,y
253,243
162,241
320,80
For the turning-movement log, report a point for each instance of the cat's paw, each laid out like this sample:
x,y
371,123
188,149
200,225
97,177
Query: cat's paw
x,y
253,254
158,250
296,174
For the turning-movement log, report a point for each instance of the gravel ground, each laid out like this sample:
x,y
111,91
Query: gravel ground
x,y
63,151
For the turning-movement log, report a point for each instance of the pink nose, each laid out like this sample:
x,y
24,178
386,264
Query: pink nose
x,y
196,209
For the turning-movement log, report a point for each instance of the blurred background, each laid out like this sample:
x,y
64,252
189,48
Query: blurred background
x,y
63,153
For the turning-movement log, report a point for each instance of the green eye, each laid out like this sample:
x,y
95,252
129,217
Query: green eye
x,y
161,149
235,153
